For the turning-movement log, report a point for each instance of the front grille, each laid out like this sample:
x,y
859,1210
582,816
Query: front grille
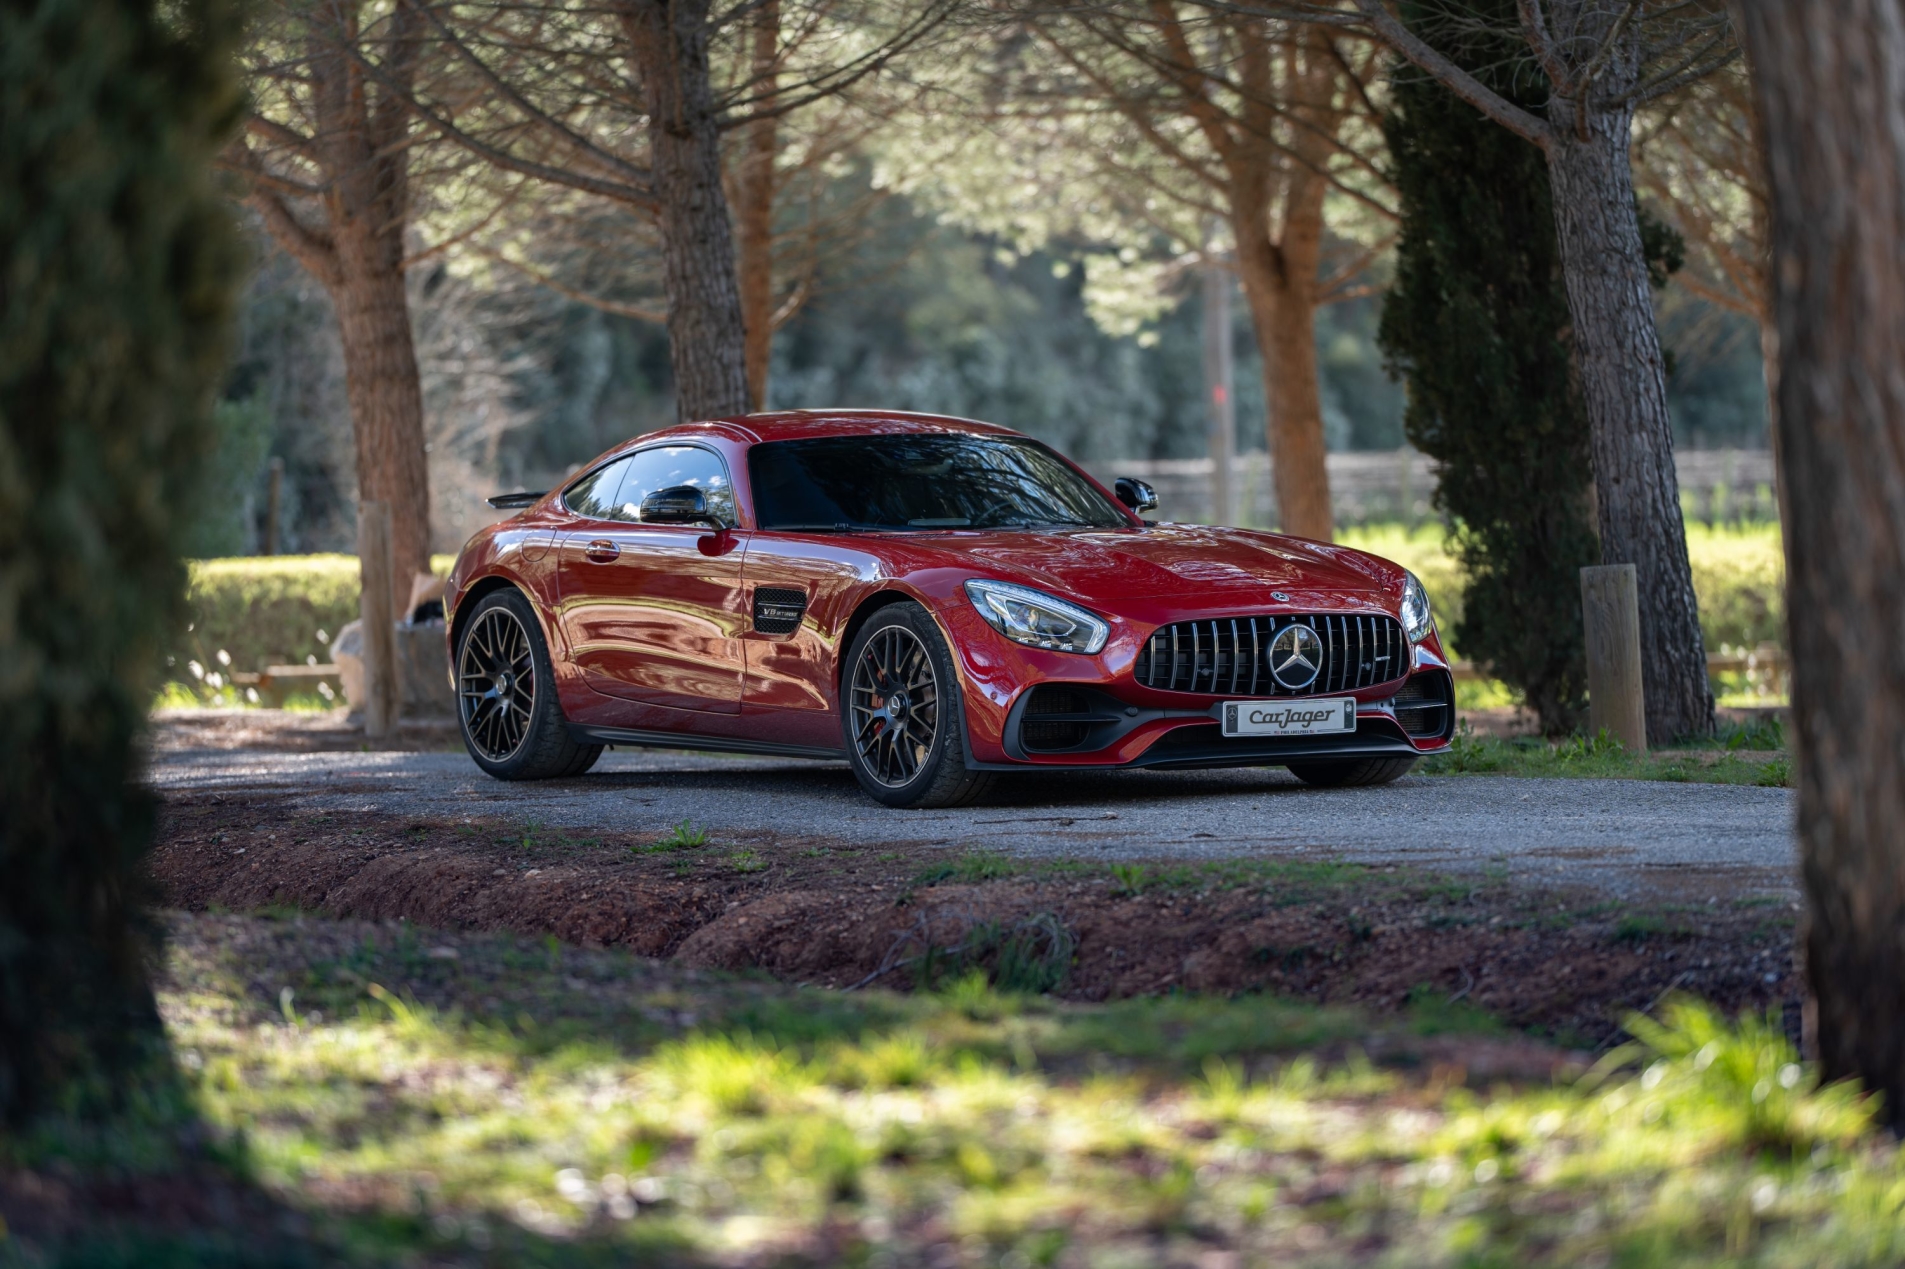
x,y
1422,706
778,610
1230,656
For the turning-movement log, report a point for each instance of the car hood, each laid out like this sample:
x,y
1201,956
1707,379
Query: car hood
x,y
1181,566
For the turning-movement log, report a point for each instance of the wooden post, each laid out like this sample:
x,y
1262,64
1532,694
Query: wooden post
x,y
1610,610
274,501
383,695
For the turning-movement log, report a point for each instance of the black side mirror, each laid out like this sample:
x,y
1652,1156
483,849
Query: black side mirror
x,y
681,504
1136,494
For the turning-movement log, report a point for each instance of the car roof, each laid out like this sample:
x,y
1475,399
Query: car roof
x,y
787,425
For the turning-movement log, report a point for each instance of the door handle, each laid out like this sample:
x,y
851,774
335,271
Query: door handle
x,y
602,551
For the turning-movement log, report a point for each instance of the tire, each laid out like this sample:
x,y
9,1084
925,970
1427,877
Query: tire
x,y
917,756
1351,773
511,722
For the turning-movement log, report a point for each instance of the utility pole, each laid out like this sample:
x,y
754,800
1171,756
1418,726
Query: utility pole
x,y
1219,399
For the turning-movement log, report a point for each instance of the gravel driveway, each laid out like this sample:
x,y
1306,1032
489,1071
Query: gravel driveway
x,y
1689,841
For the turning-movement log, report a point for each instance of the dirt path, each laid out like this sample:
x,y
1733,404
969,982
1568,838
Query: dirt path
x,y
1567,963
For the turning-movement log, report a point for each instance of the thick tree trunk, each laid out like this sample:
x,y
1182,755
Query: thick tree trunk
x,y
755,207
1279,281
386,399
360,145
1827,73
1624,385
706,333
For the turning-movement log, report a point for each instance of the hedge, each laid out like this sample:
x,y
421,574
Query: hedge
x,y
267,610
1739,575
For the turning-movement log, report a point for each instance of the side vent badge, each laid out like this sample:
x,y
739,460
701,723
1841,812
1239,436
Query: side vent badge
x,y
777,610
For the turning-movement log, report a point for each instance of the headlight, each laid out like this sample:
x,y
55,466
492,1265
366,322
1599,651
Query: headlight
x,y
1036,619
1417,620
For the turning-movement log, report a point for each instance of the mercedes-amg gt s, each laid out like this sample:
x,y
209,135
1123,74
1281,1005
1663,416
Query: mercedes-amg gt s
x,y
933,600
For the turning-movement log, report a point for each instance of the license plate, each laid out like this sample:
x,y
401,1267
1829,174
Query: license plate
x,y
1316,717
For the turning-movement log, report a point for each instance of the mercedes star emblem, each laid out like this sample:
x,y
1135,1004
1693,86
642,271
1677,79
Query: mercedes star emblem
x,y
1296,656
1279,596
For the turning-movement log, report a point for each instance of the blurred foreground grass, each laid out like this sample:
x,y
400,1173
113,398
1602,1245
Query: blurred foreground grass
x,y
473,1100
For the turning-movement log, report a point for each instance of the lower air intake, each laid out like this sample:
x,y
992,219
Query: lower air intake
x,y
1426,705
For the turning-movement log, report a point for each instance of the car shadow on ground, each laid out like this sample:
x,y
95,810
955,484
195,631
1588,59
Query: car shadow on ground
x,y
1013,790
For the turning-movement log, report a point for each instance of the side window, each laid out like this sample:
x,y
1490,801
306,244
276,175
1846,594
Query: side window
x,y
594,494
667,466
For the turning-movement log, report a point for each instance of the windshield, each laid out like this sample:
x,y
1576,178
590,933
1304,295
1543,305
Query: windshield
x,y
915,481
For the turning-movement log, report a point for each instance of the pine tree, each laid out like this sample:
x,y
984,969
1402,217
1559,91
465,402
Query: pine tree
x,y
1477,323
118,272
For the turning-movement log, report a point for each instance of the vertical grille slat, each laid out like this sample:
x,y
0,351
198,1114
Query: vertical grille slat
x,y
1209,657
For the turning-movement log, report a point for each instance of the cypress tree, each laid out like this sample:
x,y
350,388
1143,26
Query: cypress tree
x,y
119,265
1477,324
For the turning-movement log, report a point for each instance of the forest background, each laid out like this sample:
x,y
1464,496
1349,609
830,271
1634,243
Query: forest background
x,y
521,384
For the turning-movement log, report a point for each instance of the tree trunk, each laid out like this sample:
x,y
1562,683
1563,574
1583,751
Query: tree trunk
x,y
755,206
1279,281
1624,386
1827,77
386,400
706,333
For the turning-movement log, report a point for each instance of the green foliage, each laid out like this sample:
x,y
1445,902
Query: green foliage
x,y
120,263
1715,761
576,1108
684,836
263,611
1129,880
1739,577
975,867
1476,322
222,519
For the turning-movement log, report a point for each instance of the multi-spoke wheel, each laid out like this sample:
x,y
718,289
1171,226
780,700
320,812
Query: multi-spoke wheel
x,y
506,701
895,705
496,683
902,717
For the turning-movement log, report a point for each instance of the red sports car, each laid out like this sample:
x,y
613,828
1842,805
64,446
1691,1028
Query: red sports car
x,y
932,599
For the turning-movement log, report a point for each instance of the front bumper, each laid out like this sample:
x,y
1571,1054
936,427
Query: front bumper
x,y
1126,724
1096,728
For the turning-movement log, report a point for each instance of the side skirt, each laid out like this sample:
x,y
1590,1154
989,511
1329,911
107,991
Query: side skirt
x,y
704,744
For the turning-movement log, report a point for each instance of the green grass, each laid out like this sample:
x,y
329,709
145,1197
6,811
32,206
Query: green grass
x,y
532,1104
684,836
1719,760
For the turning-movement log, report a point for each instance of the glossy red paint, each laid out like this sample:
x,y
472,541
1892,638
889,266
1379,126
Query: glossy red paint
x,y
650,626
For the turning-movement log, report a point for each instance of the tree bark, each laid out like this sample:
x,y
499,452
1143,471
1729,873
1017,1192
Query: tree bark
x,y
1624,385
1279,281
359,147
706,332
1830,79
381,383
755,206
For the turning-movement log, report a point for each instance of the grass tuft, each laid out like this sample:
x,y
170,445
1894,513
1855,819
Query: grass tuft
x,y
684,836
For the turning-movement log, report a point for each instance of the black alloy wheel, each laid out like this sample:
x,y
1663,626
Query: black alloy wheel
x,y
903,719
496,682
506,702
895,706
